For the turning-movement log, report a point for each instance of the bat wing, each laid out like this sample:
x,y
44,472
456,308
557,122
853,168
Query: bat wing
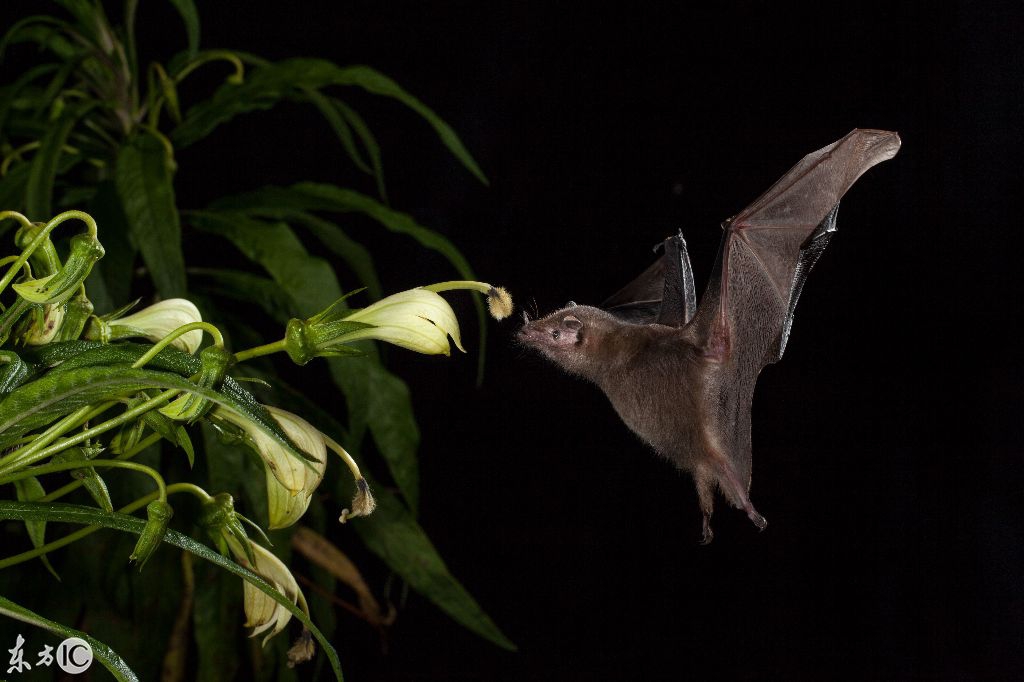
x,y
766,253
769,248
663,293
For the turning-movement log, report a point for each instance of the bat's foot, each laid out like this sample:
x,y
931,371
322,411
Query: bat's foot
x,y
758,520
709,534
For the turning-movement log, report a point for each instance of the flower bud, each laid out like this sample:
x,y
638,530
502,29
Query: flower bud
x,y
158,516
221,522
190,407
154,323
60,286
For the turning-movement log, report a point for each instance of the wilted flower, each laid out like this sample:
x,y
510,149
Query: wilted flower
x,y
153,323
261,612
43,324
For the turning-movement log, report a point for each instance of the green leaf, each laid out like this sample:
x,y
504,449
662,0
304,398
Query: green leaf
x,y
248,288
43,167
12,192
70,513
189,15
311,196
393,534
30,490
369,141
267,84
375,397
144,178
107,656
340,126
40,402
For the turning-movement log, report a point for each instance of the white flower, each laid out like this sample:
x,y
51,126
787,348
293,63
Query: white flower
x,y
416,319
287,505
261,612
159,320
296,475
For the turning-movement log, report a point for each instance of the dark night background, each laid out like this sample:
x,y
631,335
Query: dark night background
x,y
887,443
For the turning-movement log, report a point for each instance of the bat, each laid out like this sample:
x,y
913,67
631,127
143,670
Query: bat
x,y
682,376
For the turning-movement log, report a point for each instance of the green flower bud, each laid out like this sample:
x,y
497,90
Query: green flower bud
x,y
158,516
76,315
60,286
44,259
220,521
190,407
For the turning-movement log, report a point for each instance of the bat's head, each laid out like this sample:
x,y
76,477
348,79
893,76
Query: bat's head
x,y
571,337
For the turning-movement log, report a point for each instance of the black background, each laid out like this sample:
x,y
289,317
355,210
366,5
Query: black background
x,y
887,444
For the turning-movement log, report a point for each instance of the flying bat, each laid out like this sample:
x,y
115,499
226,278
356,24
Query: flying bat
x,y
682,376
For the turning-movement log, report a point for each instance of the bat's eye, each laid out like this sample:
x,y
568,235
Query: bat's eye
x,y
555,334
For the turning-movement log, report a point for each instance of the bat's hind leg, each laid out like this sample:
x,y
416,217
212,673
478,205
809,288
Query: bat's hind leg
x,y
737,494
705,483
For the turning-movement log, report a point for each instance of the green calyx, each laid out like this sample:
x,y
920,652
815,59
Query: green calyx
x,y
158,517
59,287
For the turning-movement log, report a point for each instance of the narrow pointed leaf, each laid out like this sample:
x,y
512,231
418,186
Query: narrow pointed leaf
x,y
43,168
267,84
71,513
144,179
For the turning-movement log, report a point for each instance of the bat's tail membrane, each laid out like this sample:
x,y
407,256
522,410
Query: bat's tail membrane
x,y
810,252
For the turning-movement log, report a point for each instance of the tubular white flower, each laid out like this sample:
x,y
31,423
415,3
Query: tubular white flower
x,y
262,613
287,505
416,319
159,320
286,468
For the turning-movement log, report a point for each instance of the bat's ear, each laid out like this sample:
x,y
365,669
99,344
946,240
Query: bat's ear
x,y
571,304
572,322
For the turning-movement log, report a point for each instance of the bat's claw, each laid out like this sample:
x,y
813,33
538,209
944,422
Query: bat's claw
x,y
758,520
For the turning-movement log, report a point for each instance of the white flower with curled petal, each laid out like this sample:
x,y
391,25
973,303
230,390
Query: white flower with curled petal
x,y
262,613
158,320
287,505
416,319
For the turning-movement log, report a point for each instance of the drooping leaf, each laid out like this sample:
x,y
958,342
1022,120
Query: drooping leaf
x,y
189,15
283,202
269,83
144,178
393,534
375,397
107,656
248,288
70,513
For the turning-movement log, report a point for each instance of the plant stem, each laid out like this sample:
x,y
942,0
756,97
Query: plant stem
x,y
88,530
75,485
258,351
218,340
85,464
24,457
44,233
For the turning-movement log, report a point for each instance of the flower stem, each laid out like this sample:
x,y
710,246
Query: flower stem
x,y
88,530
26,456
44,233
84,464
218,340
75,485
258,351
